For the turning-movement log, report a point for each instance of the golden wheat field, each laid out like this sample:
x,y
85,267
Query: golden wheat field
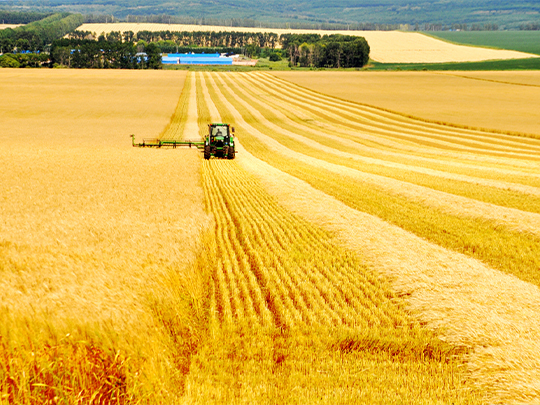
x,y
386,46
504,101
349,254
94,236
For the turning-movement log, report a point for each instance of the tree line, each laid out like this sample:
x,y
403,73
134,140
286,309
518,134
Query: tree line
x,y
141,50
104,54
306,50
21,17
332,51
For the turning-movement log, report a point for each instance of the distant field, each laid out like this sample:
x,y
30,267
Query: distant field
x,y
386,46
523,41
497,101
4,26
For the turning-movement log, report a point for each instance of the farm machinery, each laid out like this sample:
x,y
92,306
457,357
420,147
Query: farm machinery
x,y
218,143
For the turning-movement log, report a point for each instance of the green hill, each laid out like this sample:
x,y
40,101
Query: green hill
x,y
524,41
439,12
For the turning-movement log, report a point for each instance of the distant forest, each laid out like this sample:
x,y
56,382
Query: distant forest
x,y
418,14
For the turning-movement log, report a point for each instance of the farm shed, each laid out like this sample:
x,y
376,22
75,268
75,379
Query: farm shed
x,y
196,59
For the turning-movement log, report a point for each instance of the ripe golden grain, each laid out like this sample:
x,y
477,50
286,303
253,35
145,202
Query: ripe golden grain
x,y
93,233
438,97
419,268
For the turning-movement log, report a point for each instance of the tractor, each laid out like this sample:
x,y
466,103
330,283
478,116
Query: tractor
x,y
219,142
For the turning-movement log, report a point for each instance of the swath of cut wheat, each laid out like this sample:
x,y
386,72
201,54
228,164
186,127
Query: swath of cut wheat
x,y
445,147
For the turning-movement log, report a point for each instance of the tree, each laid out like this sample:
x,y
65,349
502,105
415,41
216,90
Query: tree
x,y
6,61
252,50
154,56
61,55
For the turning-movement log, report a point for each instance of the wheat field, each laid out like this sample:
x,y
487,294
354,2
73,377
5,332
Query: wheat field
x,y
420,202
503,101
349,254
4,26
386,46
97,239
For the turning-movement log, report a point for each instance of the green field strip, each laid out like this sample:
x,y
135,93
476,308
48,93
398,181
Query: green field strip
x,y
522,41
487,66
397,130
497,196
313,132
512,252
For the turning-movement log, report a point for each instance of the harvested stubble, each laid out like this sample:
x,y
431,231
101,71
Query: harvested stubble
x,y
452,98
97,239
454,205
295,318
317,144
448,290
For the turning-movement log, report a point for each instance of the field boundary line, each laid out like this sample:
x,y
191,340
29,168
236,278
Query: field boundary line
x,y
487,80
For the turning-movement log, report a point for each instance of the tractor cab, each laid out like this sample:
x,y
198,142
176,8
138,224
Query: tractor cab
x,y
219,142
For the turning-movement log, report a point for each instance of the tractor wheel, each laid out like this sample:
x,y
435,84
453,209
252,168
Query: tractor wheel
x,y
231,153
207,152
225,152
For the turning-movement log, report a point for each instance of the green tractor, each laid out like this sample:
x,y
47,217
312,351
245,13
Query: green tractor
x,y
219,142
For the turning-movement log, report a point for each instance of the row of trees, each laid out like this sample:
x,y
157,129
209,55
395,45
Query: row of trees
x,y
21,17
530,27
333,51
212,39
204,39
91,54
22,60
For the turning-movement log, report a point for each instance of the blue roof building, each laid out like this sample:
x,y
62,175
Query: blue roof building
x,y
196,59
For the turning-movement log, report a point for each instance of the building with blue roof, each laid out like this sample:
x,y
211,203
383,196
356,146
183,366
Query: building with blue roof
x,y
196,59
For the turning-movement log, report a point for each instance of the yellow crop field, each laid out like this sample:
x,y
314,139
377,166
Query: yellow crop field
x,y
505,101
349,254
386,46
4,26
94,237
